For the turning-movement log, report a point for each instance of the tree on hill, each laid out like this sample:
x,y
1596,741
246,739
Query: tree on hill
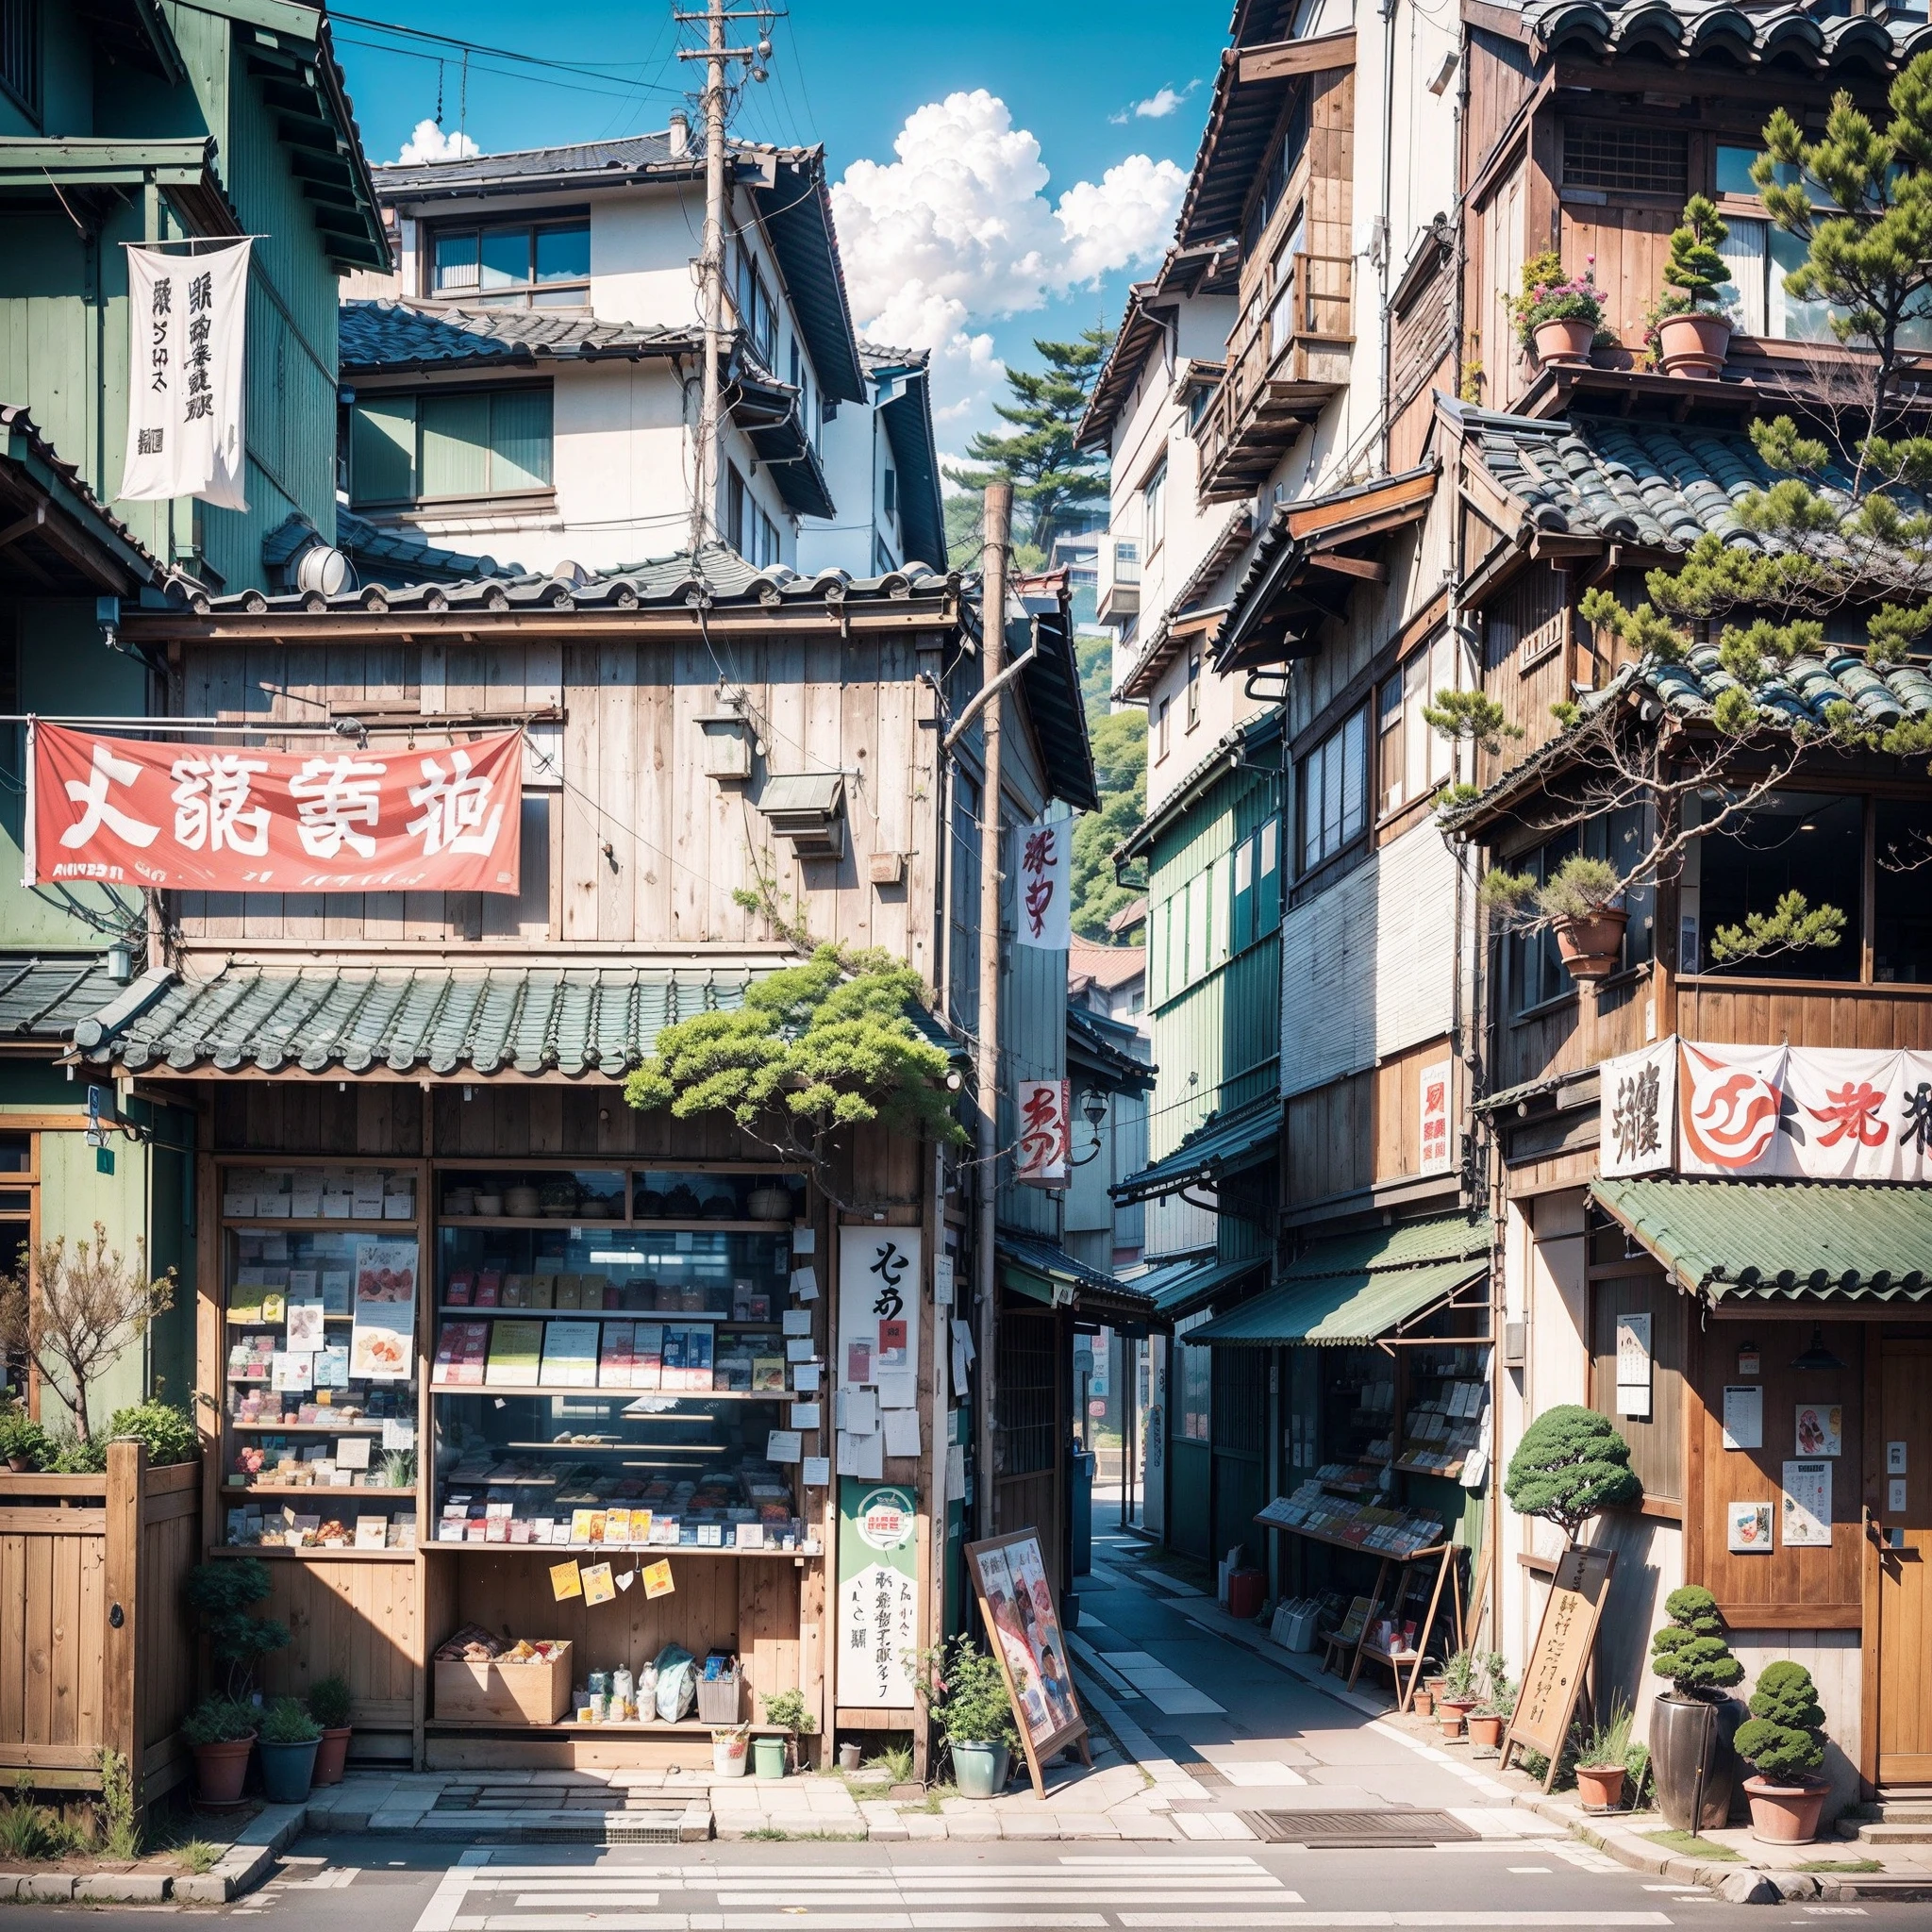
x,y
1051,478
1120,770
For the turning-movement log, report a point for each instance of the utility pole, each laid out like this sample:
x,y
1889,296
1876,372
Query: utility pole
x,y
993,641
716,54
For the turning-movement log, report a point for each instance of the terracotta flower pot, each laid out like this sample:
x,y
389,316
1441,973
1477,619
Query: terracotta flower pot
x,y
1487,1731
1564,345
1592,948
1786,1814
1693,345
222,1770
332,1756
1423,1702
1451,1722
1600,1787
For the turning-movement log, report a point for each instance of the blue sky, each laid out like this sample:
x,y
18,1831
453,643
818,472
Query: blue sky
x,y
1041,163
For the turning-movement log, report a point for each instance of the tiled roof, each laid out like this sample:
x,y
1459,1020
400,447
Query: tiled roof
x,y
1775,1241
401,557
1097,1045
44,998
875,356
34,477
1747,36
438,1019
1107,966
1086,1290
1224,1143
391,337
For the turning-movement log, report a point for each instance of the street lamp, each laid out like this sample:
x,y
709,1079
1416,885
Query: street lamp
x,y
1093,1106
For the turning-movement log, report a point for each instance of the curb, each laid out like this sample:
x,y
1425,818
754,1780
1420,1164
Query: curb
x,y
248,1861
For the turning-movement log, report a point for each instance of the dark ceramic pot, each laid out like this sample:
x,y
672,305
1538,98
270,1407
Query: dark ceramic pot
x,y
1691,1746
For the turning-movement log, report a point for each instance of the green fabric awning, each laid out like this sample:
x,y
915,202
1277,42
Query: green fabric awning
x,y
1222,1144
1338,1310
1777,1240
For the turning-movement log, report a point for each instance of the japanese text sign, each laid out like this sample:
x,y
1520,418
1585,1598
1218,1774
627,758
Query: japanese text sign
x,y
222,819
1438,1143
880,1285
878,1595
1043,1138
1046,878
1564,1641
188,322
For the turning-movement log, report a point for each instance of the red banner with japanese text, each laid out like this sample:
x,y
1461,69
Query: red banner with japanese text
x,y
125,812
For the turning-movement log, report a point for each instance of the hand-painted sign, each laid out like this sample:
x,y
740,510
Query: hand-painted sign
x,y
878,1595
128,811
1047,882
1043,1140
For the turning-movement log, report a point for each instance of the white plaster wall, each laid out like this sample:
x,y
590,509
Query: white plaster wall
x,y
644,251
1837,1667
845,542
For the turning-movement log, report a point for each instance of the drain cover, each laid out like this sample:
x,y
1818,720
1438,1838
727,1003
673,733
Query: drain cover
x,y
1357,1830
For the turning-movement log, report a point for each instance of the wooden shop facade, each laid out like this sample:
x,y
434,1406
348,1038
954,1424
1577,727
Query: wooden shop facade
x,y
569,1371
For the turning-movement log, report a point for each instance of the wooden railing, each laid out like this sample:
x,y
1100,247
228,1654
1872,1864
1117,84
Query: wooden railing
x,y
1275,355
97,1653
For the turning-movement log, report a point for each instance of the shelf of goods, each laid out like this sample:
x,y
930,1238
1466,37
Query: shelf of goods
x,y
1444,1425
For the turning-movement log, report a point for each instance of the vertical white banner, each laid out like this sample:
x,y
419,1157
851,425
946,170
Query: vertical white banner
x,y
1047,885
880,1283
1437,1143
1044,1145
1637,1111
188,322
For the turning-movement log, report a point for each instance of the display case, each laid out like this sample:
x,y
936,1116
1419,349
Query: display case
x,y
321,1392
1449,1391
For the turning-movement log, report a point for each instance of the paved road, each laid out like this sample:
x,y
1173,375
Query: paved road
x,y
368,1884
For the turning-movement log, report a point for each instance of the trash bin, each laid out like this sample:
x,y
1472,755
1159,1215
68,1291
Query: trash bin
x,y
1085,1462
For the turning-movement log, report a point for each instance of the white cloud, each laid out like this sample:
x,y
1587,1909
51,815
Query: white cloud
x,y
430,143
959,227
1163,102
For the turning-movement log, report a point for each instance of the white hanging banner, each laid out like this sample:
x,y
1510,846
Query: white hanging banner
x,y
1042,1152
188,330
1047,885
1636,1110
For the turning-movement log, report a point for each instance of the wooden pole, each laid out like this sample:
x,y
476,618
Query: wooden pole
x,y
998,530
120,1686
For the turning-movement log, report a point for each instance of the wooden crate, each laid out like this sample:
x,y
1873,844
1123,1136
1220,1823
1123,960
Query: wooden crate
x,y
531,1693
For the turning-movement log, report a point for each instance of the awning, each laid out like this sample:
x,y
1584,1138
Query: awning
x,y
1179,1287
1776,1240
1222,1144
1359,1287
1044,1273
42,998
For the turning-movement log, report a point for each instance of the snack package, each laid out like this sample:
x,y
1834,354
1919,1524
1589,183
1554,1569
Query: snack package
x,y
678,1685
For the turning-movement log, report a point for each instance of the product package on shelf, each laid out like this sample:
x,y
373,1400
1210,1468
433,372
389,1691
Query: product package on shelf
x,y
1387,1531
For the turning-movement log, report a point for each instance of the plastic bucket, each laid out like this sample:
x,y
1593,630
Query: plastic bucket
x,y
730,1753
770,1757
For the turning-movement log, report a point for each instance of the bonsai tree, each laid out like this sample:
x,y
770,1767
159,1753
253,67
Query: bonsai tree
x,y
220,1719
221,1594
72,1314
1784,1736
1570,1463
1691,1650
1579,889
1696,268
786,1709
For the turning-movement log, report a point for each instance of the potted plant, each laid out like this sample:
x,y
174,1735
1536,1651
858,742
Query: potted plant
x,y
1692,1724
220,1731
23,1444
221,1594
1458,1696
1489,1718
1423,1700
1784,1743
328,1705
288,1741
966,1690
1557,316
731,1751
1603,1762
1693,330
785,1709
1578,902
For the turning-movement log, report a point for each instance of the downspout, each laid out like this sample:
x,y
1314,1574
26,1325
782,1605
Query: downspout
x,y
1384,242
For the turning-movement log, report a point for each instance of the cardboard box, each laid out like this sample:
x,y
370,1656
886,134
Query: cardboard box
x,y
532,1693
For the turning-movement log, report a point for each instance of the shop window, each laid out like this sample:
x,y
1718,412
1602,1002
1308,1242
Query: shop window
x,y
1256,885
1194,1386
1804,841
19,53
450,448
1623,159
1537,973
546,265
1647,1410
1411,759
1902,891
1334,791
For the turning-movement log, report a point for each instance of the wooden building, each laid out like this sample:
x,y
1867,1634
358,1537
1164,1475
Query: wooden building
x,y
717,762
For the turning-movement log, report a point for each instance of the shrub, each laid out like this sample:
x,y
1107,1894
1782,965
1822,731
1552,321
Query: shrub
x,y
1695,266
328,1703
220,1720
1570,1463
221,1594
22,1437
120,1823
1783,1737
967,1689
167,1430
1607,1741
1690,1649
287,1722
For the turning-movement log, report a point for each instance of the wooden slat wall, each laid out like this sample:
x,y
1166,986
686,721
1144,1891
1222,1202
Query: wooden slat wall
x,y
1657,1442
164,1682
1867,1016
1630,246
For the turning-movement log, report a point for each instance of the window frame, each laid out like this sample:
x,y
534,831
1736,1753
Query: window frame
x,y
417,499
20,21
1596,839
1406,725
1193,688
1162,728
532,223
1311,779
1154,511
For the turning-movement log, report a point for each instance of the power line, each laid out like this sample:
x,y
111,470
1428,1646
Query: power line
x,y
606,69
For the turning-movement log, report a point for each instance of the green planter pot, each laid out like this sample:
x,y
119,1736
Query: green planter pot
x,y
981,1770
287,1769
768,1757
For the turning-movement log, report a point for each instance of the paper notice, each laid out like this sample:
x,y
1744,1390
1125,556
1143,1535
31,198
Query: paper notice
x,y
816,1472
657,1579
862,1457
797,1321
902,1432
783,1445
804,1378
352,1452
599,1585
858,1412
566,1580
805,1415
805,1284
898,1388
398,1435
805,1241
956,1470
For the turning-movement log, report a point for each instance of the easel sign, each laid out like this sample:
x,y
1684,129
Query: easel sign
x,y
1016,1601
1564,1641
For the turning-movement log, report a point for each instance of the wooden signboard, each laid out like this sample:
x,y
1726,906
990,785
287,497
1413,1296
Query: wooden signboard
x,y
1016,1601
1564,1641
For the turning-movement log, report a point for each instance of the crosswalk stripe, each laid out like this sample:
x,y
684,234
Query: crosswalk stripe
x,y
1484,1920
780,1922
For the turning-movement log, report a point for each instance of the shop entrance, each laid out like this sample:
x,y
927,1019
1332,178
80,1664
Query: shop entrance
x,y
1904,1573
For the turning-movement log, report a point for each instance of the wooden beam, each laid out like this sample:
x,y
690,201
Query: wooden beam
x,y
1366,568
23,525
1283,59
121,1664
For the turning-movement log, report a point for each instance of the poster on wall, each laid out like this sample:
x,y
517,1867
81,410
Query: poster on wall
x,y
1637,1111
1017,1605
382,1340
1744,1415
1820,1429
1436,1143
1807,1514
1749,1528
1633,1364
878,1595
879,1289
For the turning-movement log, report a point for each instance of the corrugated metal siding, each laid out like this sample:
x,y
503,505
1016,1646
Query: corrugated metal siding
x,y
1369,967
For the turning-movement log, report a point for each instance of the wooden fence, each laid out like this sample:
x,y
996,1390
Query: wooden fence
x,y
96,1649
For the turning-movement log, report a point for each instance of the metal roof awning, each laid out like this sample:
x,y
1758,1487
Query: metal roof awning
x,y
1762,1242
1339,1310
1223,1145
1044,1273
1180,1288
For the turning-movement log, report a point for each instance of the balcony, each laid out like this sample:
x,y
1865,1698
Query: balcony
x,y
1288,356
1117,594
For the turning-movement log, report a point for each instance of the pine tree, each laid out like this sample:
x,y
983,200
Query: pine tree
x,y
1050,476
